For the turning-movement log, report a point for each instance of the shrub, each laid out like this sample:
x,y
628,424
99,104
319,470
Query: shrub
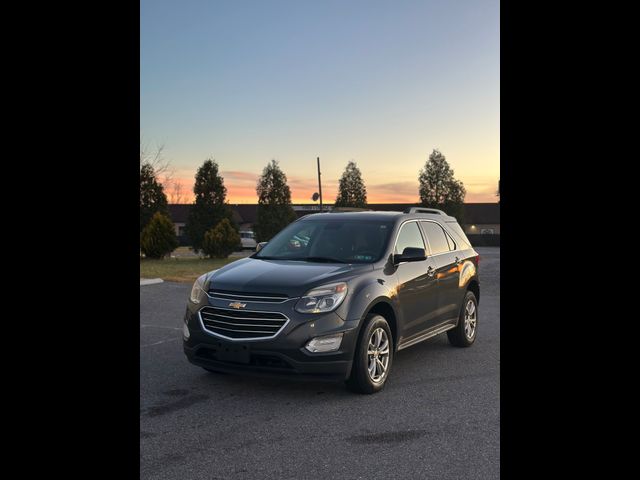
x,y
220,240
158,238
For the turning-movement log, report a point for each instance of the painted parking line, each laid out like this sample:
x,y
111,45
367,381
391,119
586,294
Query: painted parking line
x,y
160,326
161,341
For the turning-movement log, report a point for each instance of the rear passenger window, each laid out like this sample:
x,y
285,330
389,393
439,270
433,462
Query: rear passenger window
x,y
409,236
436,237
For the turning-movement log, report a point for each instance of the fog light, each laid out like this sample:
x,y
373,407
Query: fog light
x,y
328,343
185,332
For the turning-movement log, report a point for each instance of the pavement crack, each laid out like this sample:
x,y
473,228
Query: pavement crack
x,y
386,437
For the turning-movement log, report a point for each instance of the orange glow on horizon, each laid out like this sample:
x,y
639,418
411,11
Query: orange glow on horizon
x,y
241,188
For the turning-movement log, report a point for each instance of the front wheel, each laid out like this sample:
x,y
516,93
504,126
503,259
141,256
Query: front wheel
x,y
464,334
373,356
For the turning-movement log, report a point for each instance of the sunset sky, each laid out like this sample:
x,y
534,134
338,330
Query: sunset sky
x,y
381,83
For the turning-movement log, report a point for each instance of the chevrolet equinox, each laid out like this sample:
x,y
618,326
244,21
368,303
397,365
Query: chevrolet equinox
x,y
334,296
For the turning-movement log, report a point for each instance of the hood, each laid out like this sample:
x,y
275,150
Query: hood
x,y
287,277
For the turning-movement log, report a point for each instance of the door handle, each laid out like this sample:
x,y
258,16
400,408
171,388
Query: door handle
x,y
431,271
457,262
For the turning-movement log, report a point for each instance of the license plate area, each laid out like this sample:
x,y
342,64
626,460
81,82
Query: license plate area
x,y
233,352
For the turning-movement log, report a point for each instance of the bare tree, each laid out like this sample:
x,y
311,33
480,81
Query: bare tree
x,y
156,159
176,192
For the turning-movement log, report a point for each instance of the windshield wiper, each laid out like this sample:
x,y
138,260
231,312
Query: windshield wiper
x,y
324,259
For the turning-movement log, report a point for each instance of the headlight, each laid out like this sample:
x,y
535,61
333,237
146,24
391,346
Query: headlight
x,y
197,291
322,299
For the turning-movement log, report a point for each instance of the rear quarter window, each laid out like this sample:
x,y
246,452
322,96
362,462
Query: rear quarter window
x,y
459,235
437,238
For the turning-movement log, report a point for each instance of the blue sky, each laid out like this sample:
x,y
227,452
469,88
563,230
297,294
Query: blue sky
x,y
378,82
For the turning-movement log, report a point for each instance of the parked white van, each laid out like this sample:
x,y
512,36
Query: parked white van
x,y
247,239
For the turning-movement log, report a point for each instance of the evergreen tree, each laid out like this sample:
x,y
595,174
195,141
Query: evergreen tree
x,y
152,197
221,240
274,203
351,192
210,205
158,239
438,187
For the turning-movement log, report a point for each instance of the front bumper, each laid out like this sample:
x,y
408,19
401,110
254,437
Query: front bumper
x,y
283,356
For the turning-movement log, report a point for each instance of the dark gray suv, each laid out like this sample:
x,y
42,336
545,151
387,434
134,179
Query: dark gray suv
x,y
335,295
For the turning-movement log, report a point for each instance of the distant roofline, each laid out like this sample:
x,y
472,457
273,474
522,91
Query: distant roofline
x,y
417,204
245,213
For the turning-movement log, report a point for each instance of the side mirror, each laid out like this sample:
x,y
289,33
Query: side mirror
x,y
260,245
410,254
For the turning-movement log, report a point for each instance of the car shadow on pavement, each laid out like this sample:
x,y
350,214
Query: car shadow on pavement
x,y
239,384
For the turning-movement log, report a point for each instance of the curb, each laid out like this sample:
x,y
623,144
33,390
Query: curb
x,y
150,281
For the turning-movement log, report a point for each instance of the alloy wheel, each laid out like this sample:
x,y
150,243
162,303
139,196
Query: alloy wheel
x,y
378,355
470,319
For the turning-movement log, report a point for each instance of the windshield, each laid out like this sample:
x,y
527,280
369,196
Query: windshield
x,y
330,241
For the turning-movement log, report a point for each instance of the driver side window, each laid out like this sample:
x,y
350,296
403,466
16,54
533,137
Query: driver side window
x,y
409,236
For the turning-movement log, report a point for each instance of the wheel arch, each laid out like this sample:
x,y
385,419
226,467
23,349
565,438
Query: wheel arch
x,y
384,307
474,286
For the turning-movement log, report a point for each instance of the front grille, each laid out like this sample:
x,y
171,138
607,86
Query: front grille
x,y
242,324
248,296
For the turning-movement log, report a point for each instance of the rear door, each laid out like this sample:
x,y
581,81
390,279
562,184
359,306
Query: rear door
x,y
417,292
446,259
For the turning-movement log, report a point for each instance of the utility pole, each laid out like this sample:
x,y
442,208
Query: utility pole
x,y
319,185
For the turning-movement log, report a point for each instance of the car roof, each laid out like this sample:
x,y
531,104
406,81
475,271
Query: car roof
x,y
376,215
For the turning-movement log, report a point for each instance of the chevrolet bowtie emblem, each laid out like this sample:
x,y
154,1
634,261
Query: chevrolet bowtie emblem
x,y
237,305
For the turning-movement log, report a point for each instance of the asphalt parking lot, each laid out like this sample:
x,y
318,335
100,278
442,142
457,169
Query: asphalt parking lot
x,y
438,416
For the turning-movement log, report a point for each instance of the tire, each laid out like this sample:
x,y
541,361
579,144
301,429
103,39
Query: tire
x,y
465,333
361,380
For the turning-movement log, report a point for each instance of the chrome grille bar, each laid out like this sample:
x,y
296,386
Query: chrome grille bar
x,y
252,325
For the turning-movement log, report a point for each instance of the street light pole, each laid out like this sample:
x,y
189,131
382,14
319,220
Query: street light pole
x,y
319,185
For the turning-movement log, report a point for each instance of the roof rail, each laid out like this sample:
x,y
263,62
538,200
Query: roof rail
x,y
349,209
424,210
